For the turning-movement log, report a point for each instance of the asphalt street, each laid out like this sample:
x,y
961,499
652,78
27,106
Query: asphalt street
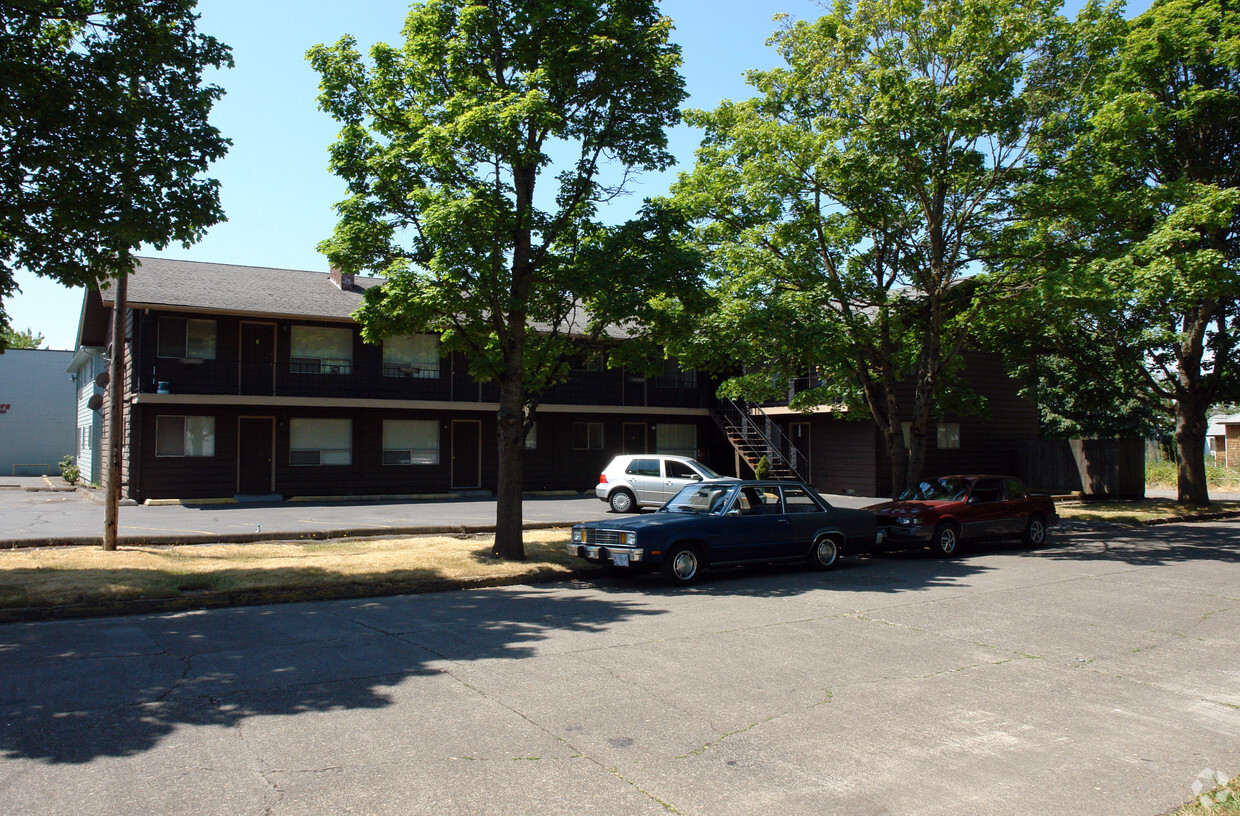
x,y
28,517
1098,675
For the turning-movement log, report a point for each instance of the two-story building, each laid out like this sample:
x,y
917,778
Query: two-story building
x,y
254,381
249,381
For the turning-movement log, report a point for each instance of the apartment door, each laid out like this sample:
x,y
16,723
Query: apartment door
x,y
800,449
256,438
466,453
633,437
257,359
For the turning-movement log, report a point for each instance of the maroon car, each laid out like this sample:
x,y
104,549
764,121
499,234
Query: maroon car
x,y
941,513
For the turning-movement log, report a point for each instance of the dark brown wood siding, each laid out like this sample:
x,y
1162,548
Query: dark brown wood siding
x,y
989,443
552,465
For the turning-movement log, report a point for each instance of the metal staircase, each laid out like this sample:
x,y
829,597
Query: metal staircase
x,y
754,435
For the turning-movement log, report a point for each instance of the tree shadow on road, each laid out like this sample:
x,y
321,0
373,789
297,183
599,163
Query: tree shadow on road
x,y
74,691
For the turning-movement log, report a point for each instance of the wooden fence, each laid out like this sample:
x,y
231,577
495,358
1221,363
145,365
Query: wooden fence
x,y
1094,467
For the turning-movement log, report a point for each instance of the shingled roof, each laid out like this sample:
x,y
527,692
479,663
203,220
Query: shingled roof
x,y
198,286
251,290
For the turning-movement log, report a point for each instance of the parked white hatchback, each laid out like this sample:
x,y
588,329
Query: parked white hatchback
x,y
638,480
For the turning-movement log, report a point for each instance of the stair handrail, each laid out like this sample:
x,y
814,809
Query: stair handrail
x,y
740,413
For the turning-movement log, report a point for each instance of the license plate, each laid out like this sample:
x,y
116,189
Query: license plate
x,y
620,559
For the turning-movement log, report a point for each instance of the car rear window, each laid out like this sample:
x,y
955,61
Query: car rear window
x,y
643,467
797,500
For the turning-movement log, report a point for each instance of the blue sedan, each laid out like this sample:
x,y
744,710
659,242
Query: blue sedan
x,y
713,524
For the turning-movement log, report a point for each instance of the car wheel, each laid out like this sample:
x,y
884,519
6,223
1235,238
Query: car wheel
x,y
683,565
946,540
622,501
1035,531
826,553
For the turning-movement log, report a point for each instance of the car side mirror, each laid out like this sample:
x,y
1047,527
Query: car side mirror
x,y
695,478
733,512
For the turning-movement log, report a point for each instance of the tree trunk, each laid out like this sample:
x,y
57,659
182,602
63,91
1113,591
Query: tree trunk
x,y
509,542
1190,444
116,395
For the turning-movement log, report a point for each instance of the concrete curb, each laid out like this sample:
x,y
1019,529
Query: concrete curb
x,y
208,600
271,537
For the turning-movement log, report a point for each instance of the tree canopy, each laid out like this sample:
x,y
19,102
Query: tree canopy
x,y
848,207
13,339
1144,202
476,156
103,135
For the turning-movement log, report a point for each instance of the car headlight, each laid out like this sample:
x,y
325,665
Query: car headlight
x,y
909,521
579,535
629,539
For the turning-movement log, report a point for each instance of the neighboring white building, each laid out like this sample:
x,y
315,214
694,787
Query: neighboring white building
x,y
87,364
36,411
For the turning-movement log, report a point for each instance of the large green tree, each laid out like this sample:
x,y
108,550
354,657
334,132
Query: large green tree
x,y
103,140
848,206
1145,200
476,157
103,135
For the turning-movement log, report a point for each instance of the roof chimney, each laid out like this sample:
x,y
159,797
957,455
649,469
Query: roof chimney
x,y
342,279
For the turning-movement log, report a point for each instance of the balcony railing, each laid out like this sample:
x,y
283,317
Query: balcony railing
x,y
372,380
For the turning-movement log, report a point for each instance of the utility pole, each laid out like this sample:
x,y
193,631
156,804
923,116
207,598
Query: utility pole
x,y
116,401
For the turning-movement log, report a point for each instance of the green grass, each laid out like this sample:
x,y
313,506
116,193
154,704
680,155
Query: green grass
x,y
1221,801
1218,477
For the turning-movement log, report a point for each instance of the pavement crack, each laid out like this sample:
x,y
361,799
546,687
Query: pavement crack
x,y
827,698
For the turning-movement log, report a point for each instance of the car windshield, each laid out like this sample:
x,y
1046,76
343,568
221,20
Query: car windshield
x,y
700,499
936,490
707,472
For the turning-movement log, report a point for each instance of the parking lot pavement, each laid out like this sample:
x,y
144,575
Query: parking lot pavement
x,y
1098,675
29,518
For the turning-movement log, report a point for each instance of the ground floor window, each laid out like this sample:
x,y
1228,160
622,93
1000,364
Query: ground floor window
x,y
587,436
320,442
410,442
184,436
676,439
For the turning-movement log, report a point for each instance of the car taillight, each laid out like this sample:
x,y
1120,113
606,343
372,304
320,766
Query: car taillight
x,y
602,478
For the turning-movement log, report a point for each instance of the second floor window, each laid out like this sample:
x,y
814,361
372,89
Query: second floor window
x,y
673,376
416,356
186,338
320,350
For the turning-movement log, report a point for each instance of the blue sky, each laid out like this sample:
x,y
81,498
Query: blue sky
x,y
275,187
